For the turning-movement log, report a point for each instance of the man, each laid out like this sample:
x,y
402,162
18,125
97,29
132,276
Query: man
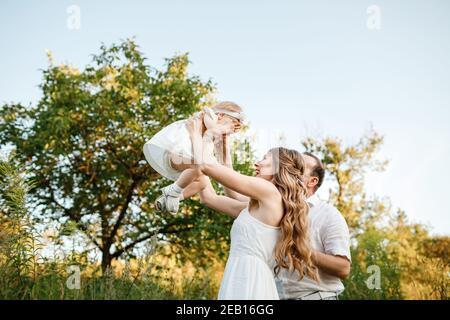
x,y
330,241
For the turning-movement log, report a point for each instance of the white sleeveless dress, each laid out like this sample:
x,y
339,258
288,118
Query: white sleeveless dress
x,y
249,273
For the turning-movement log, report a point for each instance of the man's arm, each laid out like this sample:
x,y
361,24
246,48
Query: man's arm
x,y
334,265
336,241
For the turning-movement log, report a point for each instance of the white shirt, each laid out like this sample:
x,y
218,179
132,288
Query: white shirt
x,y
329,234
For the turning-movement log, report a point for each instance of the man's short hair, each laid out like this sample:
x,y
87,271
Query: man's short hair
x,y
318,170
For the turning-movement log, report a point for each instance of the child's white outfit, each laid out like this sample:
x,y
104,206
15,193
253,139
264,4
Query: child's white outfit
x,y
173,139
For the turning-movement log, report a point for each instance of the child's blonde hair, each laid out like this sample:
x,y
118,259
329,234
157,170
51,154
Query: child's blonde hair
x,y
228,105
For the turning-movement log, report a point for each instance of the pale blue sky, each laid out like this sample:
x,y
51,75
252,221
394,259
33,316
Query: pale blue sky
x,y
297,67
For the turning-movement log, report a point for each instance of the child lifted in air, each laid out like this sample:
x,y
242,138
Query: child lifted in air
x,y
170,151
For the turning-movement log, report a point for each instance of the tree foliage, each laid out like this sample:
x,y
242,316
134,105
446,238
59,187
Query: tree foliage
x,y
82,145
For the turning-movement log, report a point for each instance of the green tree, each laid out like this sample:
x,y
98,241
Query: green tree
x,y
421,258
82,145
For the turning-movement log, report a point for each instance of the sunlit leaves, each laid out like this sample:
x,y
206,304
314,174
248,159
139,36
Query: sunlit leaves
x,y
82,142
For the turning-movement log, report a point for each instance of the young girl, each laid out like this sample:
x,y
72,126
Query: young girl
x,y
170,151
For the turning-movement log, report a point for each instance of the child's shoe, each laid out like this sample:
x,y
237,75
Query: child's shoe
x,y
169,200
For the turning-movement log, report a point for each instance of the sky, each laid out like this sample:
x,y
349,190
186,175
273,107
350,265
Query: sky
x,y
299,68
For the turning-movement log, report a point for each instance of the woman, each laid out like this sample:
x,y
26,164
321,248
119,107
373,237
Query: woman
x,y
270,231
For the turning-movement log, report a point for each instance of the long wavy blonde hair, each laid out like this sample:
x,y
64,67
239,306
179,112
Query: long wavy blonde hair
x,y
293,250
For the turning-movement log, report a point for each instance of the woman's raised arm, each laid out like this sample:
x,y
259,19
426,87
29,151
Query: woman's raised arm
x,y
224,204
224,149
255,188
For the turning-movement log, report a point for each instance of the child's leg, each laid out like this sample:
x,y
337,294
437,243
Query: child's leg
x,y
186,177
180,163
189,174
172,194
195,187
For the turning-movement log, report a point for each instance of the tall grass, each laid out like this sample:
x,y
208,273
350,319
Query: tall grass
x,y
18,245
26,274
135,279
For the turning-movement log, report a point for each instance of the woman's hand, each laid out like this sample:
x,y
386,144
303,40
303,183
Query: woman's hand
x,y
202,144
194,125
220,147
